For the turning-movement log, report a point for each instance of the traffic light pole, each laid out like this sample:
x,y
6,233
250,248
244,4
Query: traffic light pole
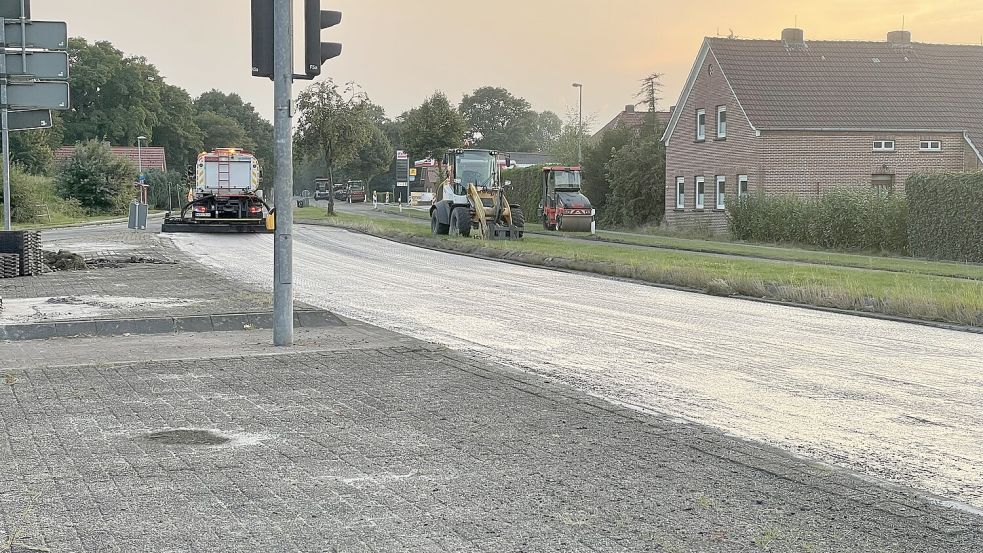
x,y
283,293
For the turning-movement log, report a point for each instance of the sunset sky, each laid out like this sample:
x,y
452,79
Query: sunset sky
x,y
401,51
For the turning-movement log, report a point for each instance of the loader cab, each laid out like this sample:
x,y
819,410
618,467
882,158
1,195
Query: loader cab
x,y
477,167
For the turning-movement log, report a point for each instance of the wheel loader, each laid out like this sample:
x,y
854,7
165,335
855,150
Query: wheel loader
x,y
471,199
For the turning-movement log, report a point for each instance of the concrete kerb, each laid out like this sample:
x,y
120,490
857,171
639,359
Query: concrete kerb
x,y
162,325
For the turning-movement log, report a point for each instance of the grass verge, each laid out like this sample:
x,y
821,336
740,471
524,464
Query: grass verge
x,y
899,294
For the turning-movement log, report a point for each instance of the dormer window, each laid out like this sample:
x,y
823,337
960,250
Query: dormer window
x,y
721,121
701,124
883,145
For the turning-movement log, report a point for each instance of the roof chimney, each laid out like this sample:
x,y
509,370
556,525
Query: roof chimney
x,y
793,37
630,108
899,38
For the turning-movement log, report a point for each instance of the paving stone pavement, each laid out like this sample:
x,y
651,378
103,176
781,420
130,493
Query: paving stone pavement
x,y
181,278
409,449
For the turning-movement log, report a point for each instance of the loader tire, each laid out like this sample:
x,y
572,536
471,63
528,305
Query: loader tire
x,y
436,227
460,222
518,220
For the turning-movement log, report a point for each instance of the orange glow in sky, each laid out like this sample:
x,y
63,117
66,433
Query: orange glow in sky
x,y
401,51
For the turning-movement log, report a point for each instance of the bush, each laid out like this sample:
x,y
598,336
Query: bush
x,y
161,184
527,190
30,193
946,215
101,181
637,176
844,218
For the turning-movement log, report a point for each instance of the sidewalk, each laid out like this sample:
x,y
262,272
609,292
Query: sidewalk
x,y
358,439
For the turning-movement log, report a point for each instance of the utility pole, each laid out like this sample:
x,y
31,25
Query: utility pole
x,y
283,291
580,125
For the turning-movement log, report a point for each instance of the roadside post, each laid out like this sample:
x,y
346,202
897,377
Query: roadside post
x,y
272,57
34,72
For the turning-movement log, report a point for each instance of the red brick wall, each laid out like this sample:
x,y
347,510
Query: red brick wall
x,y
685,157
806,163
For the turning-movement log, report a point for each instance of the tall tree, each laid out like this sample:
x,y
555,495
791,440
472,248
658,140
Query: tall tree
x,y
334,124
178,133
503,121
114,98
220,131
257,128
374,159
549,127
433,128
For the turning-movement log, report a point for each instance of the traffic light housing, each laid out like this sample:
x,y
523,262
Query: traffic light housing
x,y
317,52
263,38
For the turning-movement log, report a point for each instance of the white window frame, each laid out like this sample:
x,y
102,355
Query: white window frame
x,y
701,128
700,184
930,145
721,192
722,128
743,189
882,145
680,192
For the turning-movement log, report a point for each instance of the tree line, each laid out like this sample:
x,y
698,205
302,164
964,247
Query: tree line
x,y
340,134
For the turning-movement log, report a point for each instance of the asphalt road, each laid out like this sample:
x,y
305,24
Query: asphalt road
x,y
893,401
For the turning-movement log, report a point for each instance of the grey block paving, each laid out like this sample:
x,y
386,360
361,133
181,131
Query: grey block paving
x,y
410,449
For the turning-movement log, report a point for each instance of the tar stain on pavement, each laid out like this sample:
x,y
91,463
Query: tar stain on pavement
x,y
187,437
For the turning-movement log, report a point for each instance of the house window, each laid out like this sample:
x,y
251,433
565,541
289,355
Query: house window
x,y
930,146
680,193
883,145
721,121
701,124
742,189
721,192
883,185
700,192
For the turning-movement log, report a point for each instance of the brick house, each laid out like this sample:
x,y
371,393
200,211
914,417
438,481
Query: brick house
x,y
629,118
795,117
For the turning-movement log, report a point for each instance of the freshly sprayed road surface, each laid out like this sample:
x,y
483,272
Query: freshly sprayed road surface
x,y
889,400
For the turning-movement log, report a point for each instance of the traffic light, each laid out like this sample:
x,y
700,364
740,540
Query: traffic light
x,y
317,52
263,38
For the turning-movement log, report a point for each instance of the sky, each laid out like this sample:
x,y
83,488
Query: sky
x,y
401,51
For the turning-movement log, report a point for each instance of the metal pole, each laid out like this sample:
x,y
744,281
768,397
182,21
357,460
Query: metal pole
x,y
580,139
6,132
283,293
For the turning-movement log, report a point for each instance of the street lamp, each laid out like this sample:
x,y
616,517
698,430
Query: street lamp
x,y
140,140
580,126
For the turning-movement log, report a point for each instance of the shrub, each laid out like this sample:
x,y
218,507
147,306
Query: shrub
x,y
100,180
161,184
842,218
946,215
527,188
28,193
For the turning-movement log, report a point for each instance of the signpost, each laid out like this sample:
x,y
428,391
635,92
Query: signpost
x,y
402,177
34,76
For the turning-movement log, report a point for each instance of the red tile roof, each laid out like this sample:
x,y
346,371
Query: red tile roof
x,y
630,119
856,85
153,156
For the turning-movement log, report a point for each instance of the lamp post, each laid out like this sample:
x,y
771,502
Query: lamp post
x,y
580,125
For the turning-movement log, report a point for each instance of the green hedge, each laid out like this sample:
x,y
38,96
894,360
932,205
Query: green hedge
x,y
526,190
946,219
843,218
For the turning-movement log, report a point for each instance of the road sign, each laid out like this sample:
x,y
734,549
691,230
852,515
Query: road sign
x,y
43,95
41,35
10,9
26,120
41,65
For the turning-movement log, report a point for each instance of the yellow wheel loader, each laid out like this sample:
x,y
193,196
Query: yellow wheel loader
x,y
471,199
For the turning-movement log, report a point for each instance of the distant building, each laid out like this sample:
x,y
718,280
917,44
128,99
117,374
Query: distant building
x,y
630,118
153,156
794,117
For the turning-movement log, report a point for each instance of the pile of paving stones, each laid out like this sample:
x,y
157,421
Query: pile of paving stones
x,y
24,247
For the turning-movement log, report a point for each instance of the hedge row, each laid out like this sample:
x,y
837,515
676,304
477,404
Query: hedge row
x,y
946,216
843,218
527,188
